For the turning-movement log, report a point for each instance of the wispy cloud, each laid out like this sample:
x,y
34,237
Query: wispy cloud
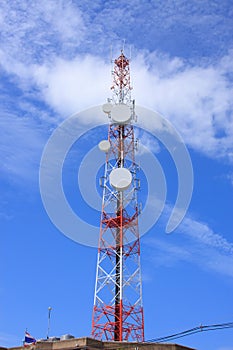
x,y
36,32
43,54
21,145
7,339
194,242
203,234
197,100
146,142
230,178
181,28
71,85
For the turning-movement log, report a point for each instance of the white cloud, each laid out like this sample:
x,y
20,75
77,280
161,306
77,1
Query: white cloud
x,y
21,145
202,233
146,143
70,86
41,50
7,339
196,243
44,41
34,32
230,178
197,100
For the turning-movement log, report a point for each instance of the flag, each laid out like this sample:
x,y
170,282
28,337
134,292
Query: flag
x,y
29,340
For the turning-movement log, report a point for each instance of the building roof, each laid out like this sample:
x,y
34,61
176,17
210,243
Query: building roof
x,y
93,344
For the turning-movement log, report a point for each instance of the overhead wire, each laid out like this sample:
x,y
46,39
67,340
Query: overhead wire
x,y
198,329
191,331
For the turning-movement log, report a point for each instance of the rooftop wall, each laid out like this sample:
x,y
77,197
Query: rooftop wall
x,y
92,344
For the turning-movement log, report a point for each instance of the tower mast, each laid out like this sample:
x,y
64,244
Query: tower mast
x,y
118,311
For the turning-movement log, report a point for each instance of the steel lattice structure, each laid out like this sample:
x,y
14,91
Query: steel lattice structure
x,y
118,311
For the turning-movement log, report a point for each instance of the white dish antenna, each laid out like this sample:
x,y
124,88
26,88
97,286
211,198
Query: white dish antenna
x,y
121,113
104,146
107,107
120,179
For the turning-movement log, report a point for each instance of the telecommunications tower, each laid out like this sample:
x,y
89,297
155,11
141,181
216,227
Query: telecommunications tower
x,y
118,311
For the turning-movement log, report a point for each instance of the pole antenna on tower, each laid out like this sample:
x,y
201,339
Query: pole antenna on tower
x,y
118,310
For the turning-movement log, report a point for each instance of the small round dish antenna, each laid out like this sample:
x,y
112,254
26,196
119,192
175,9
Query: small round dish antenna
x,y
121,113
120,179
107,107
104,146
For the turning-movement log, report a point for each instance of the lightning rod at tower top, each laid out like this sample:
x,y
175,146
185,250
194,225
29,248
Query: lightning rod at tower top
x,y
118,309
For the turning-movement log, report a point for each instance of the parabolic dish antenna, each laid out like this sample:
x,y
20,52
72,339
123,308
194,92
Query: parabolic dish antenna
x,y
107,107
121,113
104,146
120,179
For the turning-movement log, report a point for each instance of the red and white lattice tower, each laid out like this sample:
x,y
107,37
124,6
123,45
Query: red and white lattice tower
x,y
118,311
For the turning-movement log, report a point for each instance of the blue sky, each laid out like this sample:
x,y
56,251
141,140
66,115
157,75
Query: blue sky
x,y
55,61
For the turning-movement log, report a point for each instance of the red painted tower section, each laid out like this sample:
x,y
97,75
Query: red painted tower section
x,y
118,310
